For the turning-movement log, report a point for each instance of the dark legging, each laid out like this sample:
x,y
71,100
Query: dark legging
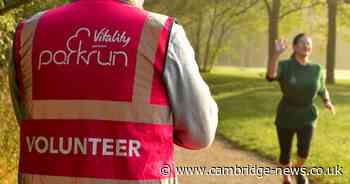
x,y
285,139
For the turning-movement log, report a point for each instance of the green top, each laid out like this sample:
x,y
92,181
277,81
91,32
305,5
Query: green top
x,y
300,85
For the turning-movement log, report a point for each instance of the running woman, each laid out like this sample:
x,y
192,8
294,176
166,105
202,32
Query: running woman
x,y
301,81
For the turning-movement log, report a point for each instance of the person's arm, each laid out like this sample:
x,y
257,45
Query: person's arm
x,y
272,66
324,94
195,111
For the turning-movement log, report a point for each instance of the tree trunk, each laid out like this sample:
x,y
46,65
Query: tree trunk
x,y
207,53
218,45
331,43
273,26
198,37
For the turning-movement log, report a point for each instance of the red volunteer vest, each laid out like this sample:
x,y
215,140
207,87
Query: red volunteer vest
x,y
96,108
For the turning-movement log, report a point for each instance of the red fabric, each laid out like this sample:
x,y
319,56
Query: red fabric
x,y
81,81
155,151
159,94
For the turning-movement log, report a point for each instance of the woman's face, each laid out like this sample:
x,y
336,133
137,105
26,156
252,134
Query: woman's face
x,y
303,47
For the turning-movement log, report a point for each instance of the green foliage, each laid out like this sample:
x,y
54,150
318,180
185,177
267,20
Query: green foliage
x,y
344,21
9,137
7,26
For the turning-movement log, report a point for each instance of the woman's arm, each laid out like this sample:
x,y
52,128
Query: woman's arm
x,y
272,66
328,103
324,94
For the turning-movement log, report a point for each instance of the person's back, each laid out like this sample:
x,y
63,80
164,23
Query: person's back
x,y
91,101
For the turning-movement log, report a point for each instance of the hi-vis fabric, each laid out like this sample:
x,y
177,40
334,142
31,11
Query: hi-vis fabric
x,y
93,107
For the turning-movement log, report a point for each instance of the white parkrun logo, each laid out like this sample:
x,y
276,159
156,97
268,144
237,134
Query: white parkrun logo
x,y
84,146
99,51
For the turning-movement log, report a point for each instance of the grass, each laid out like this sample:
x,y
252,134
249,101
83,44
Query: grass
x,y
247,106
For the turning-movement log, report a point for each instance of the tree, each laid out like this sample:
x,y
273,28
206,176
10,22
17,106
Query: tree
x,y
208,23
332,37
10,5
212,27
333,7
276,11
273,12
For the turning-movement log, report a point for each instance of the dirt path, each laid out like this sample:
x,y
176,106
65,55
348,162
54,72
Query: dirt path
x,y
222,153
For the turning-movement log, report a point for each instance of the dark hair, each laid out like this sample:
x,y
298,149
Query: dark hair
x,y
295,41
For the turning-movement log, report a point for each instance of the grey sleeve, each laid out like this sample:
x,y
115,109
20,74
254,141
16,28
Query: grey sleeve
x,y
195,111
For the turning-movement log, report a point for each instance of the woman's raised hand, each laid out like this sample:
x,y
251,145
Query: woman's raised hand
x,y
280,46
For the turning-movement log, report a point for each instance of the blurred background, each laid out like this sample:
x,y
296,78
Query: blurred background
x,y
233,40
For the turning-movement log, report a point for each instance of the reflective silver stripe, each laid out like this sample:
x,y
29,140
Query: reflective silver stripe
x,y
101,110
43,179
27,37
146,54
